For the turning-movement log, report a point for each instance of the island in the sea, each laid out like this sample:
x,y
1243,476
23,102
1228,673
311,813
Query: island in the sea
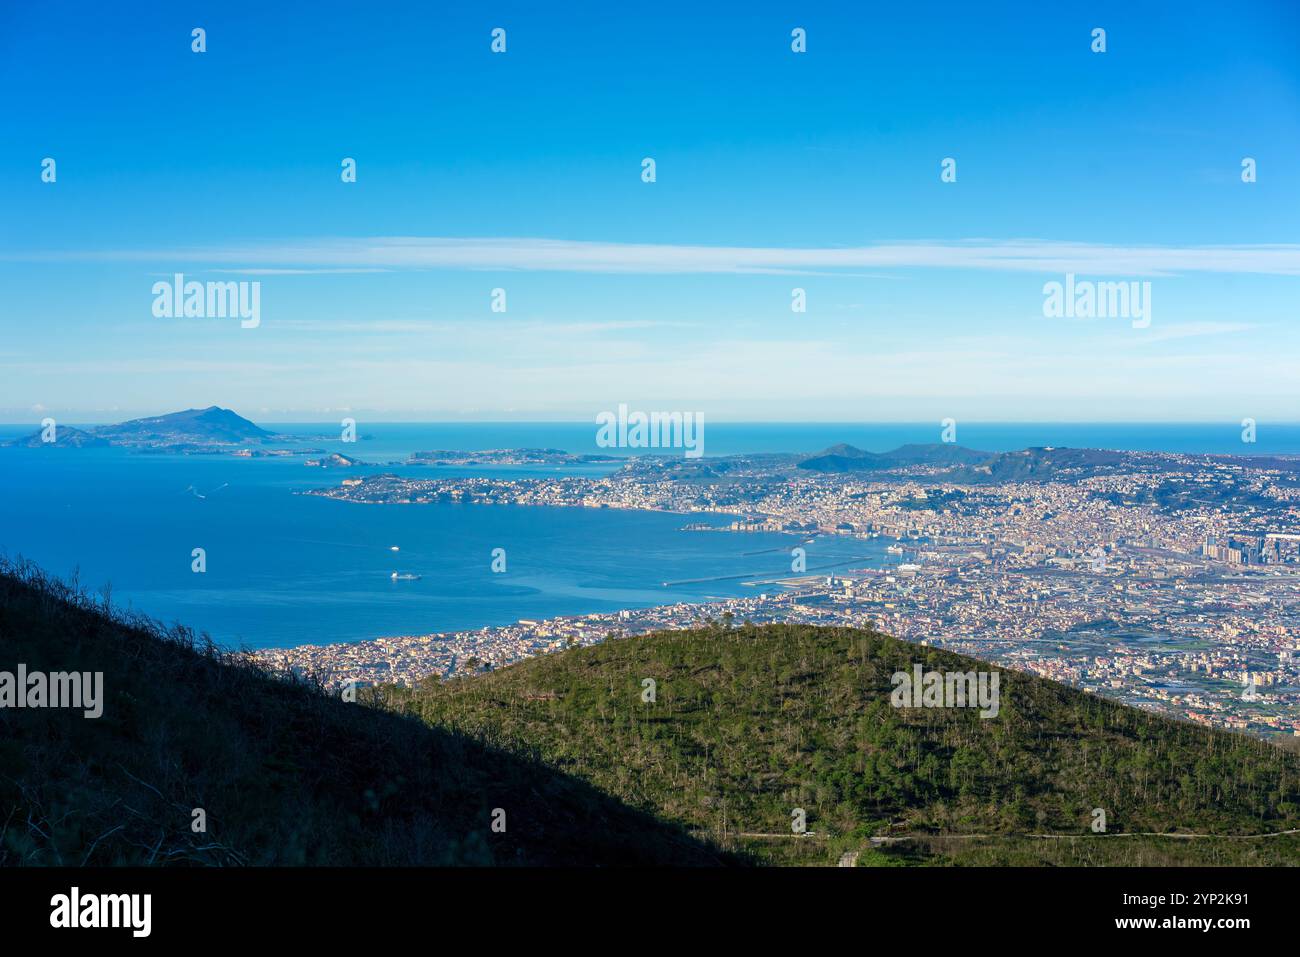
x,y
193,430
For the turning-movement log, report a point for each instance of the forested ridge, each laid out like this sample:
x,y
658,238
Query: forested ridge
x,y
284,771
685,747
749,723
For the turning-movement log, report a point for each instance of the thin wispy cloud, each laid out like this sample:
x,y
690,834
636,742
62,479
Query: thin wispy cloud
x,y
502,327
301,272
556,255
1192,330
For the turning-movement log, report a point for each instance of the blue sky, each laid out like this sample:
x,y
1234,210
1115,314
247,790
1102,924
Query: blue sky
x,y
775,170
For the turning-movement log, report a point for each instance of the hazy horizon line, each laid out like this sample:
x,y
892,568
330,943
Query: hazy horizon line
x,y
128,415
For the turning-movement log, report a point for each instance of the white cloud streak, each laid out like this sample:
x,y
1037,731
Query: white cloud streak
x,y
554,255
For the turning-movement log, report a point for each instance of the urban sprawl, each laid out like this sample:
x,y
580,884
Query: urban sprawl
x,y
1168,582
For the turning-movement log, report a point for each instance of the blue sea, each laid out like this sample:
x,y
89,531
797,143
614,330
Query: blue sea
x,y
286,569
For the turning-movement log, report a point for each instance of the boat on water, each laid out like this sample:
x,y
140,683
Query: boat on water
x,y
404,577
394,548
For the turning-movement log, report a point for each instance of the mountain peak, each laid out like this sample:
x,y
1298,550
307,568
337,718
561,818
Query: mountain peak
x,y
847,458
209,426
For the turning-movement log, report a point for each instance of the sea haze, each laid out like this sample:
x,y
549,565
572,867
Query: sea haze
x,y
287,569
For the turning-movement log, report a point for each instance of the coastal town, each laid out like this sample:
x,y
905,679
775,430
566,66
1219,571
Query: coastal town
x,y
1167,582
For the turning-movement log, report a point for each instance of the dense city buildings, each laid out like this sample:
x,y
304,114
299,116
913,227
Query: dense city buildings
x,y
1169,582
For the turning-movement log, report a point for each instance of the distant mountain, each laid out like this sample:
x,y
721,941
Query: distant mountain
x,y
847,458
938,453
963,466
193,429
213,425
65,436
1044,465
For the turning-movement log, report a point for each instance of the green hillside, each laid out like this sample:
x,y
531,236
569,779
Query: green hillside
x,y
746,725
750,723
286,773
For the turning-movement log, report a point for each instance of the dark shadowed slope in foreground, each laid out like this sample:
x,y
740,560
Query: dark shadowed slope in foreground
x,y
745,726
285,773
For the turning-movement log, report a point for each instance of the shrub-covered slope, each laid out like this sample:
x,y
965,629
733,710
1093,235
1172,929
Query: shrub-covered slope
x,y
751,723
285,773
